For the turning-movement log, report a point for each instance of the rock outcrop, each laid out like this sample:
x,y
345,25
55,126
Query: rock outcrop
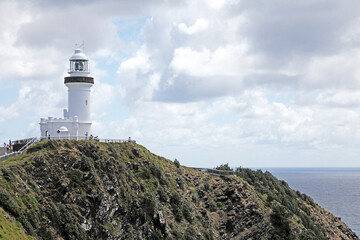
x,y
92,190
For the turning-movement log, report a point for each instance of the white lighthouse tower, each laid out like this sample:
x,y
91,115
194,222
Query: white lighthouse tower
x,y
76,123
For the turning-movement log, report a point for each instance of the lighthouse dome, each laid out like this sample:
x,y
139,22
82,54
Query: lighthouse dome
x,y
78,55
79,66
63,129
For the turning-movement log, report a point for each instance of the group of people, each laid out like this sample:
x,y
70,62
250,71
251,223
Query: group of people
x,y
96,139
9,147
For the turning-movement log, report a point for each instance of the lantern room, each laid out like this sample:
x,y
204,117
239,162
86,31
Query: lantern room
x,y
79,65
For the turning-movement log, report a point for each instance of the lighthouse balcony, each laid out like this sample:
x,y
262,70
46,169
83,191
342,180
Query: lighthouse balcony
x,y
79,80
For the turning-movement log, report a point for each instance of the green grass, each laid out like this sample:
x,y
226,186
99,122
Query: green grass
x,y
10,229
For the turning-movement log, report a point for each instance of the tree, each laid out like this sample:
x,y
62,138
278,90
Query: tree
x,y
224,167
177,163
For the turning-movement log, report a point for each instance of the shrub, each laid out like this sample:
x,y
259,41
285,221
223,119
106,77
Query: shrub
x,y
212,206
279,220
208,234
69,226
176,204
156,235
195,198
7,202
224,167
190,233
44,232
177,214
30,199
34,186
149,204
122,167
180,181
75,176
8,174
156,171
145,173
175,199
308,235
206,186
162,194
187,212
177,163
113,152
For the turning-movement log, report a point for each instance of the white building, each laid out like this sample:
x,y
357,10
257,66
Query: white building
x,y
76,123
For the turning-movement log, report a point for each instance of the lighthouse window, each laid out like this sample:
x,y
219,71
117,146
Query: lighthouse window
x,y
86,102
79,66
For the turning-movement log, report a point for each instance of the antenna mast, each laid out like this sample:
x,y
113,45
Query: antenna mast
x,y
77,45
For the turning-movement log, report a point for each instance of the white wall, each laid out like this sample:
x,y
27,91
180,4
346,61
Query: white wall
x,y
79,103
75,128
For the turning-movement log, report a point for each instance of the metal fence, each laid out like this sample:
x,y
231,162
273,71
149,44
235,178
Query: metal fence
x,y
28,142
6,156
88,138
216,172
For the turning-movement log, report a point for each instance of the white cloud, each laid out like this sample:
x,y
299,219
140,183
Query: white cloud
x,y
200,25
230,60
203,82
102,95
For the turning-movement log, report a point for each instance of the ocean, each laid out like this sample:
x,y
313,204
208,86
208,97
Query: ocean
x,y
335,189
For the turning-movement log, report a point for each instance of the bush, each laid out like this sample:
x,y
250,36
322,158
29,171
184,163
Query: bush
x,y
176,204
156,235
8,174
113,152
177,214
212,206
195,198
180,181
122,167
75,176
44,232
162,194
208,235
187,212
69,226
177,163
190,233
156,171
279,220
206,186
149,204
175,199
224,167
7,202
145,173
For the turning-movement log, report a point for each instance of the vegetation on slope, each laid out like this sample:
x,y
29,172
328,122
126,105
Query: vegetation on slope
x,y
91,190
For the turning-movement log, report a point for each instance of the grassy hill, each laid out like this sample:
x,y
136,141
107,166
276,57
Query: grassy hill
x,y
90,190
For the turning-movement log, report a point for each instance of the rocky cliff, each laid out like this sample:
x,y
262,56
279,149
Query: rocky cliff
x,y
91,190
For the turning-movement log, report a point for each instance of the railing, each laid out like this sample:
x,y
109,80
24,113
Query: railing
x,y
29,142
6,156
88,138
216,172
22,141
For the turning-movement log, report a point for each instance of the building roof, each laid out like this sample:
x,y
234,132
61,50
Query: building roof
x,y
78,55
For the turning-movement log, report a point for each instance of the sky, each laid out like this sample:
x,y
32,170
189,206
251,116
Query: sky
x,y
248,83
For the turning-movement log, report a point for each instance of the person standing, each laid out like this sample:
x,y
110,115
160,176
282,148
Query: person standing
x,y
10,146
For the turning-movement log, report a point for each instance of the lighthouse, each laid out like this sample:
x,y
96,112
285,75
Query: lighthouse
x,y
76,123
